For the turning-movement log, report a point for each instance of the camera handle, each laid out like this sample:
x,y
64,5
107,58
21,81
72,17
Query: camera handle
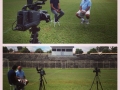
x,y
42,85
34,34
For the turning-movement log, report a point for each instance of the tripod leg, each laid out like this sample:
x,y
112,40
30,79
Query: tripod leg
x,y
44,79
92,82
97,84
43,85
100,83
40,88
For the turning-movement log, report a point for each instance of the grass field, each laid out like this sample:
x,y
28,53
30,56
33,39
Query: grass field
x,y
102,28
67,79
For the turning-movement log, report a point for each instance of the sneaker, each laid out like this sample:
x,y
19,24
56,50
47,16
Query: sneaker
x,y
56,21
87,21
82,20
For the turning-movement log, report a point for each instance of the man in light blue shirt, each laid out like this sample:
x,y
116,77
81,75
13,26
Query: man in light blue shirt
x,y
84,10
20,74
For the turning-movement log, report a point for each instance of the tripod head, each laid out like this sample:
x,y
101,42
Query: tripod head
x,y
96,70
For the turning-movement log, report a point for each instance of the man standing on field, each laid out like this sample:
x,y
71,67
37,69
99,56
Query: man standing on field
x,y
84,10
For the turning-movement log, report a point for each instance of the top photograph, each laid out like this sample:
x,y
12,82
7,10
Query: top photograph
x,y
59,21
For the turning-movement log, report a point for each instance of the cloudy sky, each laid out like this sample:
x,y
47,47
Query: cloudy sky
x,y
45,48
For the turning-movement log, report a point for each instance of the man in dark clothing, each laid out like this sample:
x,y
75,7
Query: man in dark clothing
x,y
55,8
13,80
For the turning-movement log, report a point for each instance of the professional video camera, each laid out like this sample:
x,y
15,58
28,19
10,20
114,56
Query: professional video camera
x,y
97,70
41,71
30,16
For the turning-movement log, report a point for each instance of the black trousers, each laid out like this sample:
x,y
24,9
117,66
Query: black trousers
x,y
19,85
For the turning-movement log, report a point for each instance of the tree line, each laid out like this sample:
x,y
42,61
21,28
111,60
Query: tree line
x,y
23,50
98,49
101,49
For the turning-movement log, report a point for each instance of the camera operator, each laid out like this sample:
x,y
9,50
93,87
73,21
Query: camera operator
x,y
13,80
55,8
20,74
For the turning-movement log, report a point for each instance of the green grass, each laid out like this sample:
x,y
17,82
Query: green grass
x,y
67,79
102,28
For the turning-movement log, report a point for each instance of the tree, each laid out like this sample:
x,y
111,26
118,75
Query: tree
x,y
49,51
5,50
19,48
101,48
106,51
39,50
24,50
78,51
114,49
11,50
93,50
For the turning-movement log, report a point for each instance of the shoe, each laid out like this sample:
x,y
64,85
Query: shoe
x,y
56,21
82,20
87,21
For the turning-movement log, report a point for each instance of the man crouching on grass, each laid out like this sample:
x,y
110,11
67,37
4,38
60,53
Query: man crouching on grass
x,y
85,6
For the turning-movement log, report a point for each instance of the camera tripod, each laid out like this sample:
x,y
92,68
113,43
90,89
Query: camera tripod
x,y
42,84
97,81
34,34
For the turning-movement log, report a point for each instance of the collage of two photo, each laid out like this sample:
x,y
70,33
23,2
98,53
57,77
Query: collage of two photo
x,y
60,45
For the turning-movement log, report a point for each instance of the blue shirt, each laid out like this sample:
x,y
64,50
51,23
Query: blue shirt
x,y
20,74
55,3
85,4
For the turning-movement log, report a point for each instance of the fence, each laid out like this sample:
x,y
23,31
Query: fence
x,y
63,64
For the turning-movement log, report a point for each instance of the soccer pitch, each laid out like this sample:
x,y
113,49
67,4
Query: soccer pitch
x,y
102,28
67,79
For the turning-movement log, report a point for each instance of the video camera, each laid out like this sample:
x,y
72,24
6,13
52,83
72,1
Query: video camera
x,y
97,70
41,71
31,15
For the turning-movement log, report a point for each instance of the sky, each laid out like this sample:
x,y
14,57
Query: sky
x,y
85,48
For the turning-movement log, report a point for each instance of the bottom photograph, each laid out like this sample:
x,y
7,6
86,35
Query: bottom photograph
x,y
55,67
